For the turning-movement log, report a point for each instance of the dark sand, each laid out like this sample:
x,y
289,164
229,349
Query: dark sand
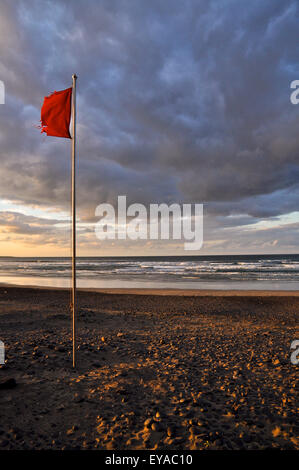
x,y
156,371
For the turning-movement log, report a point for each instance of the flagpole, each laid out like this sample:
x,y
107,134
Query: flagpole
x,y
74,78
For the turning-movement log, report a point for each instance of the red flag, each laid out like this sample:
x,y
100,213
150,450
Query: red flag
x,y
56,114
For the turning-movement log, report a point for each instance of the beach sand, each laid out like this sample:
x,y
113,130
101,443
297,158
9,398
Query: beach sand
x,y
170,371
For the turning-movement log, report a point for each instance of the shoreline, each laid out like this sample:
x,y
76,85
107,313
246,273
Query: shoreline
x,y
166,292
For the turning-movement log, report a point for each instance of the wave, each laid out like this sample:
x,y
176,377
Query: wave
x,y
222,268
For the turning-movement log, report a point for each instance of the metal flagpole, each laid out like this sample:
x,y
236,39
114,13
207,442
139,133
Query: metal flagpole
x,y
74,77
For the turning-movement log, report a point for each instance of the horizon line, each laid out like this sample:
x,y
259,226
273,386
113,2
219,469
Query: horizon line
x,y
156,256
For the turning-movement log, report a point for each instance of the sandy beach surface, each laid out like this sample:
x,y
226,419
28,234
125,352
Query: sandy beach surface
x,y
172,371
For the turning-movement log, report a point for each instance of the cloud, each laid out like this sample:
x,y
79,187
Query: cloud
x,y
175,104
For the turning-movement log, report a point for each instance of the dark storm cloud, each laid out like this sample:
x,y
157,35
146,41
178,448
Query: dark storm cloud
x,y
176,102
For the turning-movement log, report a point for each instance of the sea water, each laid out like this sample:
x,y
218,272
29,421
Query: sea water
x,y
274,272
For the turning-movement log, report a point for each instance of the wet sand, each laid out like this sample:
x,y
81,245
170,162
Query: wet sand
x,y
157,370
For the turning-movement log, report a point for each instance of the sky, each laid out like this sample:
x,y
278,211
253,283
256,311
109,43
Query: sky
x,y
177,102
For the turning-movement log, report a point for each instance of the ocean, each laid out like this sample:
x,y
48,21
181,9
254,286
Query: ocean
x,y
273,272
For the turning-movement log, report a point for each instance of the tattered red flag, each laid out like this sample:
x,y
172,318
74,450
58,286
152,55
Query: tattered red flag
x,y
56,114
